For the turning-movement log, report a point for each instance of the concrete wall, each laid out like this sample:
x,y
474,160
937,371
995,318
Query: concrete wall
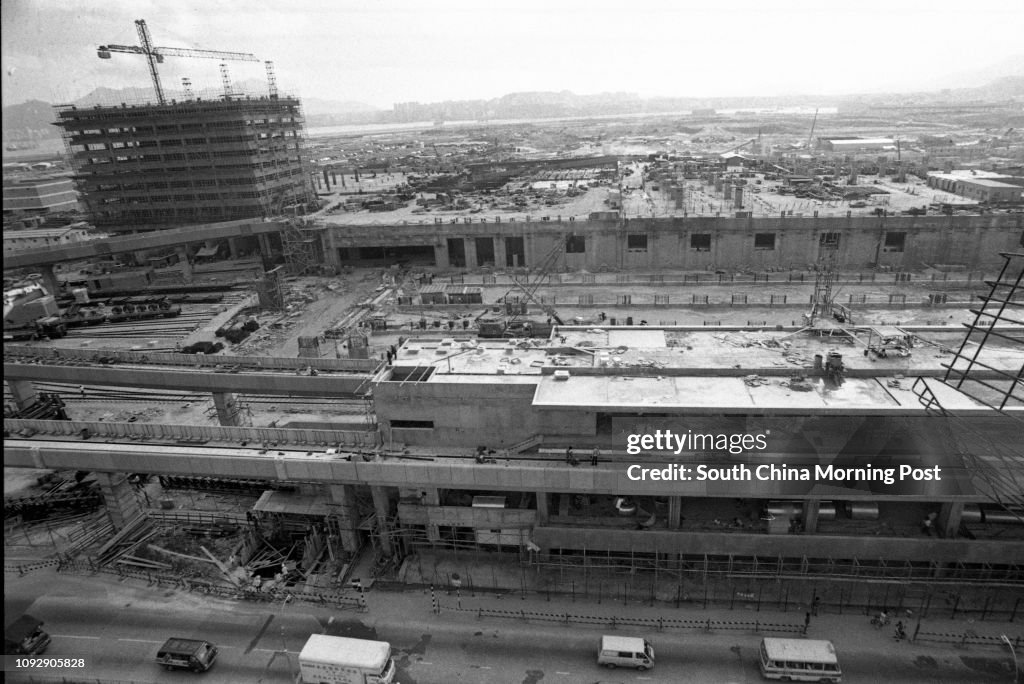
x,y
973,241
495,414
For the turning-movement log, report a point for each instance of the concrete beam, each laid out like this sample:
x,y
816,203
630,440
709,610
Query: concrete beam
x,y
200,380
600,540
302,466
139,242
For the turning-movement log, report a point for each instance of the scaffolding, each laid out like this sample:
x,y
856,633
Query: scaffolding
x,y
303,252
999,467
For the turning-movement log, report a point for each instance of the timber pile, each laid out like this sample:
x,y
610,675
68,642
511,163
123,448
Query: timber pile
x,y
134,533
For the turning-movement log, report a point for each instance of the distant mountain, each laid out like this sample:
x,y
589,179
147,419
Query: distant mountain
x,y
29,121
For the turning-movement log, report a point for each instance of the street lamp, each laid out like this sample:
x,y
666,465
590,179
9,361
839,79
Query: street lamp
x,y
1016,669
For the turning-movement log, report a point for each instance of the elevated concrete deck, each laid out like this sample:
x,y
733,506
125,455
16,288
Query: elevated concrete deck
x,y
197,379
152,239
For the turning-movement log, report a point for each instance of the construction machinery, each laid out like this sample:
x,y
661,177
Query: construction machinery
x,y
513,324
155,55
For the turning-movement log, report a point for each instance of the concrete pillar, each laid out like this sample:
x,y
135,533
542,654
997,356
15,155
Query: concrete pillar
x,y
24,393
186,265
432,497
50,280
119,498
675,512
811,515
471,261
542,508
226,404
343,504
500,255
950,515
441,256
264,242
382,506
233,247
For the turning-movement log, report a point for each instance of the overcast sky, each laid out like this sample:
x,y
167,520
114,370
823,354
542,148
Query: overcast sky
x,y
386,51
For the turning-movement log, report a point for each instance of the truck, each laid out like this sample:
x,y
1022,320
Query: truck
x,y
25,636
341,660
177,653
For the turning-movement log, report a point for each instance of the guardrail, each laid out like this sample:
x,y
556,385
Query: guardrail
x,y
195,434
659,623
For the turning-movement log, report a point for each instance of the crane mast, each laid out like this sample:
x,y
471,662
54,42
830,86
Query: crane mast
x,y
155,55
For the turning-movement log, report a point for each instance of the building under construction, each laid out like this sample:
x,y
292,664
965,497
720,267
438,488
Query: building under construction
x,y
186,162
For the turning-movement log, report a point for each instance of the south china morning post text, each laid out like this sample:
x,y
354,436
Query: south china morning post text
x,y
678,442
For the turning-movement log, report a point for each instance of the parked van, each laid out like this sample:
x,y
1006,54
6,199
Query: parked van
x,y
187,654
799,660
618,651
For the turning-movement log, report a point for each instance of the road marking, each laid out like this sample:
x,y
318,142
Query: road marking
x,y
564,673
484,667
74,636
424,662
142,641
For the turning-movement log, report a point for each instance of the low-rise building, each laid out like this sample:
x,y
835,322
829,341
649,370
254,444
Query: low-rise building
x,y
39,195
38,238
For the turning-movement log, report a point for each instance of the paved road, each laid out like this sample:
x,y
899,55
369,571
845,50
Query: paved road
x,y
117,629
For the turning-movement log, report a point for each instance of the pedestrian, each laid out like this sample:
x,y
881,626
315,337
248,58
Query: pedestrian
x,y
570,458
807,622
594,455
81,389
814,605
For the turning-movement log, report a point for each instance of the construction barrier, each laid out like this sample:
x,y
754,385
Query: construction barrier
x,y
658,623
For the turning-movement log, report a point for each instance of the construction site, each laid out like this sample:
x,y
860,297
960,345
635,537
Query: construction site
x,y
419,356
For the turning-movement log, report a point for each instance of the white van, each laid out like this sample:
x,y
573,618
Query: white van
x,y
617,651
800,660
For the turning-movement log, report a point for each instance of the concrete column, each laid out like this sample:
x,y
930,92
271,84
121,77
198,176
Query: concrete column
x,y
382,506
50,280
675,512
471,261
950,515
226,404
811,515
186,265
343,503
119,498
500,255
542,508
441,256
24,393
233,247
264,242
432,497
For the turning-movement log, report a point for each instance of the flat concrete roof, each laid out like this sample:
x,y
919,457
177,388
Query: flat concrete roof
x,y
733,395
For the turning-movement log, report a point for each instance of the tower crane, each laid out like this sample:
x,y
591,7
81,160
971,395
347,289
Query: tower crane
x,y
155,55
